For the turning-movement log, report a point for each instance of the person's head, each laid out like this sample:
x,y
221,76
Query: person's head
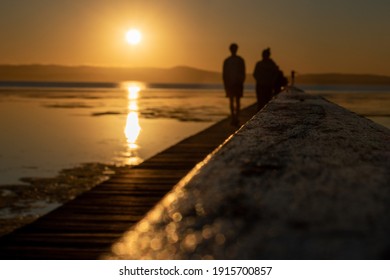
x,y
233,48
266,53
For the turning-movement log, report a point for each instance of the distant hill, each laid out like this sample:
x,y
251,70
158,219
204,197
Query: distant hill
x,y
179,74
336,79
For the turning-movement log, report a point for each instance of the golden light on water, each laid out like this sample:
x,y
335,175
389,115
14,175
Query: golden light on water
x,y
132,128
133,90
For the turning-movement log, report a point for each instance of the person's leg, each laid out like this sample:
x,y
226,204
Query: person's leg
x,y
258,98
237,109
264,94
231,105
268,93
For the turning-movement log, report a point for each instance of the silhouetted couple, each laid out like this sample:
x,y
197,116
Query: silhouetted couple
x,y
269,80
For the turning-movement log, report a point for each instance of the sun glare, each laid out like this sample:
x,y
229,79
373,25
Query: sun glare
x,y
132,128
133,36
133,91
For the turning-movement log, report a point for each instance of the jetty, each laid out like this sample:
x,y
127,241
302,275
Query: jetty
x,y
301,179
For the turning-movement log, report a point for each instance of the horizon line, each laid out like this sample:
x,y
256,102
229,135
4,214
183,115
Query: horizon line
x,y
173,67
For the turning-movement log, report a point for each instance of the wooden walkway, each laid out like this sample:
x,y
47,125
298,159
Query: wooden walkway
x,y
85,227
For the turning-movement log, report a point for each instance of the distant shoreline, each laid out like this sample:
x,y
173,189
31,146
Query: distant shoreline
x,y
175,75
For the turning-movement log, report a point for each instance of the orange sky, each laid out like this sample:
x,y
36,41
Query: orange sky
x,y
309,36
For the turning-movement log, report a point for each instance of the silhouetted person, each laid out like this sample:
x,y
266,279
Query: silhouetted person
x,y
233,79
266,74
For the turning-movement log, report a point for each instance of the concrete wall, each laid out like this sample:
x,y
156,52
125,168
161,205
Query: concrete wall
x,y
304,179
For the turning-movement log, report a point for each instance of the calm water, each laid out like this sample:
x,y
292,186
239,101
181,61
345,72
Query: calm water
x,y
54,126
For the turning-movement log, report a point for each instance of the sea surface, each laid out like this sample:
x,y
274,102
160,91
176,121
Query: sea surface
x,y
61,139
46,127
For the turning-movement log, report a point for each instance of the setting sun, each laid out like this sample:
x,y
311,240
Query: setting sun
x,y
133,36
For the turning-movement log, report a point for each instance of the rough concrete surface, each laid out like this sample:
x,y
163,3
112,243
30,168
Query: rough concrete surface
x,y
304,179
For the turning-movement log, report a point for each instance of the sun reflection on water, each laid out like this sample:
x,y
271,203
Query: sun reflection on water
x,y
133,90
132,128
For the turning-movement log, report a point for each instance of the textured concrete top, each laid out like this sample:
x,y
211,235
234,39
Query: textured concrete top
x,y
303,179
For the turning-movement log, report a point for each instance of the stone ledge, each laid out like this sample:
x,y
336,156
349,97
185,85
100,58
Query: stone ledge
x,y
303,179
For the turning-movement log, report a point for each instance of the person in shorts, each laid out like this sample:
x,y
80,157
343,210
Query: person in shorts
x,y
233,79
